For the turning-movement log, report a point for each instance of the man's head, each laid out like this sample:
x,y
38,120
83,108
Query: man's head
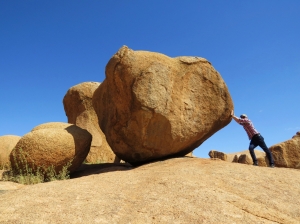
x,y
243,116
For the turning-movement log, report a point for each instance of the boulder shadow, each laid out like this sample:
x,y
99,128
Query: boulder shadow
x,y
90,169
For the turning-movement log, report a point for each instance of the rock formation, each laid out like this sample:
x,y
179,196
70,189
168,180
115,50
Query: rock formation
x,y
241,157
217,155
151,106
79,110
287,153
7,143
53,144
245,159
59,125
180,191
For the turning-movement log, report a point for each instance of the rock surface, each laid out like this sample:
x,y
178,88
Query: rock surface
x,y
7,143
52,144
151,106
79,110
217,155
59,125
245,159
287,153
186,190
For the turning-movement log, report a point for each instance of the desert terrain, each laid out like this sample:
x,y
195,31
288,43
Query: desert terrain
x,y
179,190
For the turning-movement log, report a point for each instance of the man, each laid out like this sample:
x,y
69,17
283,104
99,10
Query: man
x,y
255,137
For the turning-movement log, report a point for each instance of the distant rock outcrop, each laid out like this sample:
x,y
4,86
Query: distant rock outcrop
x,y
79,110
217,155
151,106
287,153
7,143
245,159
241,157
54,145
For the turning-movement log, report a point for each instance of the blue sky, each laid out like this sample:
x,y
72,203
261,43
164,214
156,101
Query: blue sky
x,y
46,47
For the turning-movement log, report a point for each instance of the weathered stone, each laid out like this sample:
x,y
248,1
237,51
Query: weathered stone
x,y
217,155
262,161
59,125
60,146
79,110
179,191
7,143
287,153
235,158
151,106
245,159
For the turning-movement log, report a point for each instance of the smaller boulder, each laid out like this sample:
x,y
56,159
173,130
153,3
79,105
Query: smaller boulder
x,y
245,159
7,143
235,158
55,145
241,157
287,153
80,111
217,155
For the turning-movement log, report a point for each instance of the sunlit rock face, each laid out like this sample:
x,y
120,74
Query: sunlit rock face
x,y
54,145
151,106
79,110
287,153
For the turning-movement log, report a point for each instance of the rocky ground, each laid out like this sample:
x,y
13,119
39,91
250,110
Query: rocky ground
x,y
181,190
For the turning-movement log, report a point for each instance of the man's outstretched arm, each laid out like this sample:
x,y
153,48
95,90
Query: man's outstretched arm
x,y
234,117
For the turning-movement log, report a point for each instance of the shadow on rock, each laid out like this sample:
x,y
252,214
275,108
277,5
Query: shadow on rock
x,y
90,169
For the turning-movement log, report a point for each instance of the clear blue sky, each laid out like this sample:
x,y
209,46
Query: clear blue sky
x,y
46,47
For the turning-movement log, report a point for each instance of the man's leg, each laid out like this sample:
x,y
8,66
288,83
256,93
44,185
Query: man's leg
x,y
262,144
252,146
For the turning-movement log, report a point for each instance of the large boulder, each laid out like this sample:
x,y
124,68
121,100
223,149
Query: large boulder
x,y
287,153
79,110
55,144
151,106
7,143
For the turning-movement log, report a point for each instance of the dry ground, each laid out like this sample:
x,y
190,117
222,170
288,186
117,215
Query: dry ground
x,y
181,190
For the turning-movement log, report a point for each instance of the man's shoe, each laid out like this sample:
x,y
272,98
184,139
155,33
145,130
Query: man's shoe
x,y
255,164
272,165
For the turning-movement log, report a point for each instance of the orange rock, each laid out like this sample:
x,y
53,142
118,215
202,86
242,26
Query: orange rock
x,y
217,155
53,144
79,110
287,153
151,106
241,157
7,143
245,159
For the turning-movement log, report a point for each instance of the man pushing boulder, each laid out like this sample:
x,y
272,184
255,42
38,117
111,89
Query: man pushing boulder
x,y
255,137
